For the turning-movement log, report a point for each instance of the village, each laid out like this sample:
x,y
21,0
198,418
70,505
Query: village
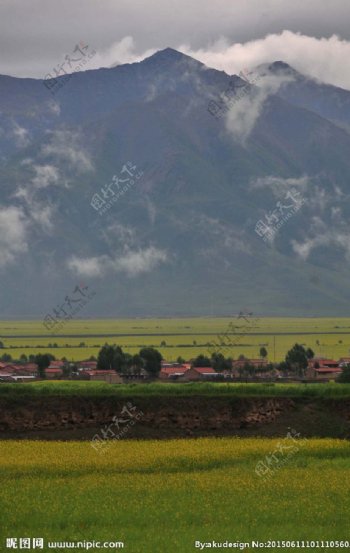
x,y
243,369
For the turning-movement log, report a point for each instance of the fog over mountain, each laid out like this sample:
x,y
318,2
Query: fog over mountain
x,y
171,188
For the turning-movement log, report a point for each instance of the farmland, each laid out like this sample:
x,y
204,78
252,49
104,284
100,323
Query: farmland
x,y
79,339
159,389
185,490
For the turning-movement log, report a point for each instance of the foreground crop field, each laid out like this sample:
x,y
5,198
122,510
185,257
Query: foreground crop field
x,y
79,339
162,496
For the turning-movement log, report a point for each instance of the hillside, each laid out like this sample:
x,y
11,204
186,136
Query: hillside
x,y
181,240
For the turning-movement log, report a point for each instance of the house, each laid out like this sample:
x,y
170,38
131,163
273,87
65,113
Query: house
x,y
57,364
10,368
344,361
86,365
323,373
243,361
111,377
7,376
53,373
199,373
172,373
321,362
28,369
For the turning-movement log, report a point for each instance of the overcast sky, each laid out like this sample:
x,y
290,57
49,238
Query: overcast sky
x,y
311,35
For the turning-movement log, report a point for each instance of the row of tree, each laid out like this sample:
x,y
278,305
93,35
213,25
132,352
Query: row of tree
x,y
113,358
149,359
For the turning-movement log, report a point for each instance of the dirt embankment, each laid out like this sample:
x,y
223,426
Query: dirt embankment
x,y
167,417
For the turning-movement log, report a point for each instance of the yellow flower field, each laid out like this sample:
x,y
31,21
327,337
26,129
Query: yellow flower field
x,y
162,496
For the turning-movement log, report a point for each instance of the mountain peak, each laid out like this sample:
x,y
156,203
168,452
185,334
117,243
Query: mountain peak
x,y
170,55
280,65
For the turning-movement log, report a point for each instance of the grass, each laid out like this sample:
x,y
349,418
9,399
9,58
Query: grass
x,y
93,389
161,496
329,337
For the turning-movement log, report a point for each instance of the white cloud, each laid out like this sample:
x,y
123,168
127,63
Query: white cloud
x,y
88,267
132,263
142,261
54,107
45,175
42,214
65,146
246,107
321,58
118,53
335,235
21,135
13,240
278,184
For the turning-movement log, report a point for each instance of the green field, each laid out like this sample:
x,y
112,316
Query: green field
x,y
79,339
210,389
161,496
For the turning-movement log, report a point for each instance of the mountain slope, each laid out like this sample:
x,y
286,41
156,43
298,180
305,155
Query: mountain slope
x,y
182,238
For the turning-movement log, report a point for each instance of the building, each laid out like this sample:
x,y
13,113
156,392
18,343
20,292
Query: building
x,y
111,377
324,374
199,373
244,361
86,365
321,363
172,373
53,373
57,364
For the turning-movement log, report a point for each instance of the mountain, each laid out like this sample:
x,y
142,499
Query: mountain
x,y
225,192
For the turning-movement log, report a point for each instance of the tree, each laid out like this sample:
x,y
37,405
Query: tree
x,y
43,361
309,353
152,360
296,359
219,363
6,357
127,364
137,364
344,377
111,358
263,352
180,360
1,345
23,358
202,361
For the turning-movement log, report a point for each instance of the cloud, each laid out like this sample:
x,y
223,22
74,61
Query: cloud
x,y
327,238
88,267
246,106
321,58
142,261
219,234
42,214
13,230
277,184
119,53
21,135
45,175
65,146
54,107
281,187
132,263
335,235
